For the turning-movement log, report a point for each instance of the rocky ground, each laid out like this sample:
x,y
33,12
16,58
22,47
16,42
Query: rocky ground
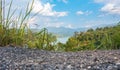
x,y
27,59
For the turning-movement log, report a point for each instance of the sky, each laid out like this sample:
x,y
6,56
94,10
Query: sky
x,y
71,13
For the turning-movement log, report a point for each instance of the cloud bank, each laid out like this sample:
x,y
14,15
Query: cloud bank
x,y
46,9
110,6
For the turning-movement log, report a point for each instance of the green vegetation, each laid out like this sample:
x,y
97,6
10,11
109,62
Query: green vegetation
x,y
106,38
16,31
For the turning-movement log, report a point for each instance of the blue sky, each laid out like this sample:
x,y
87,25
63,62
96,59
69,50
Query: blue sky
x,y
72,13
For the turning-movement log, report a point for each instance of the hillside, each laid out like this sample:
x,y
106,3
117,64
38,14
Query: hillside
x,y
100,38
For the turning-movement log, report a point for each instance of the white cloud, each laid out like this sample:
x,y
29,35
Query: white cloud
x,y
32,21
69,26
46,9
57,24
110,6
108,1
79,13
84,13
64,1
93,23
111,9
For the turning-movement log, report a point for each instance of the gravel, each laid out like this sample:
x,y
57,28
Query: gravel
x,y
12,58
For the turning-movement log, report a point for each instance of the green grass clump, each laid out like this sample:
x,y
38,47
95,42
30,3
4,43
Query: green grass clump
x,y
13,31
17,33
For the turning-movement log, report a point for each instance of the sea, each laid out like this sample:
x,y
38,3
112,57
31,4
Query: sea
x,y
63,39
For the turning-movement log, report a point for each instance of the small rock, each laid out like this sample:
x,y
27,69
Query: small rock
x,y
89,67
69,66
112,68
81,65
115,58
59,67
95,59
118,65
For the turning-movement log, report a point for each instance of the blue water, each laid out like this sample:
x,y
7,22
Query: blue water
x,y
63,39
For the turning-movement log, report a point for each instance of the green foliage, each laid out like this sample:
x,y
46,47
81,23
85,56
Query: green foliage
x,y
101,38
116,40
60,47
71,44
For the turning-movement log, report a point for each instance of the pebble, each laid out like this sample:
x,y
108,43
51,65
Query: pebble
x,y
89,67
115,58
69,67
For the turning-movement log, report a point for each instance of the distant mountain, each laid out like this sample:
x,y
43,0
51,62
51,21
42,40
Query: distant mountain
x,y
63,32
66,32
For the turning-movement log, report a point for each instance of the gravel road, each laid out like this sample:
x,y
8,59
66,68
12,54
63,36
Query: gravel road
x,y
27,59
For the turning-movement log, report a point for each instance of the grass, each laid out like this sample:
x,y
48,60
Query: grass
x,y
16,32
9,30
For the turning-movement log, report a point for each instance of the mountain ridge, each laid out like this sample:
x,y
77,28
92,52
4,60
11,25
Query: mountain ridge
x,y
61,31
